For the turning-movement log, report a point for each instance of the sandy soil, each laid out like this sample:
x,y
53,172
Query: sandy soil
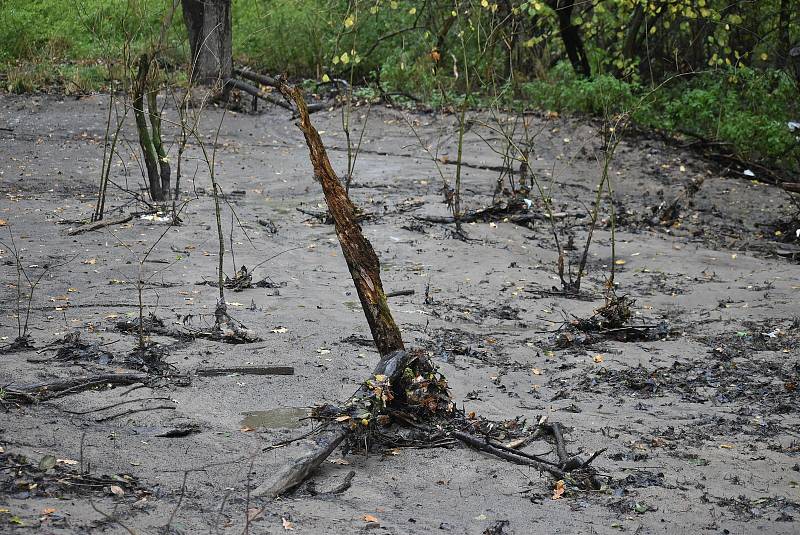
x,y
700,424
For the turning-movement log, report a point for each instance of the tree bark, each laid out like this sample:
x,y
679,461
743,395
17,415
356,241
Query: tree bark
x,y
784,19
358,252
208,23
571,36
149,153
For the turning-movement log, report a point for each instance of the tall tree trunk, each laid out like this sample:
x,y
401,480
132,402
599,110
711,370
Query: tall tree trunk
x,y
784,18
208,23
571,36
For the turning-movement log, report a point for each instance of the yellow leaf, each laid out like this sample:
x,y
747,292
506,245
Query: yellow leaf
x,y
345,58
326,78
349,21
380,378
619,262
412,11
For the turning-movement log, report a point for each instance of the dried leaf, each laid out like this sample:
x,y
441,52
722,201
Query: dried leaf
x,y
598,358
288,526
116,490
47,462
558,491
370,518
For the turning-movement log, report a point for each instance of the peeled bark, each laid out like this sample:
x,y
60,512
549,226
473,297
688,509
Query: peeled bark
x,y
358,252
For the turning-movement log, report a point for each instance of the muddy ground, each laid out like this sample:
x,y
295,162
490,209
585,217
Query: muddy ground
x,y
697,409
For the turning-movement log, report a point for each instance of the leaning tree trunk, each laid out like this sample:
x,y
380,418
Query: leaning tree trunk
x,y
364,267
208,23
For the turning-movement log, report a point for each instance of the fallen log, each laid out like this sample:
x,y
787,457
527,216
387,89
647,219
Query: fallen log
x,y
390,368
97,225
793,187
54,389
256,92
268,81
245,370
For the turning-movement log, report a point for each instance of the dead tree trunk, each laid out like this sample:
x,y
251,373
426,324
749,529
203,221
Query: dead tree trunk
x,y
358,252
364,267
404,381
208,24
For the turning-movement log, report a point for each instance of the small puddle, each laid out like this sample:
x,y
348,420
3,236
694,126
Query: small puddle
x,y
283,418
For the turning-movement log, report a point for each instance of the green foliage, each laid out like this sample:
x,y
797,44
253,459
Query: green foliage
x,y
429,49
74,44
745,108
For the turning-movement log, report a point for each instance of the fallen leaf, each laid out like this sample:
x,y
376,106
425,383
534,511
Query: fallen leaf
x,y
339,461
342,418
558,491
726,446
47,462
514,444
48,511
370,518
619,262
599,358
246,429
288,526
90,261
70,462
536,371
116,490
3,222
